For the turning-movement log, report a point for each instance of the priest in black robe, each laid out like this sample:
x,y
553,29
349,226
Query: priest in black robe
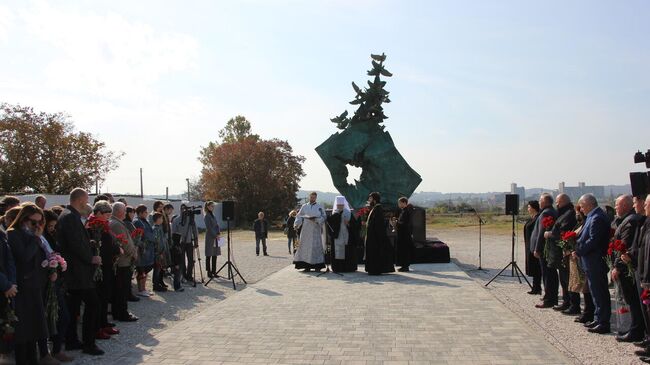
x,y
379,251
404,246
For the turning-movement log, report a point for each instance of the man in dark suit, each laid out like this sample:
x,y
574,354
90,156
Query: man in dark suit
x,y
537,243
643,268
261,228
566,221
591,247
76,249
626,223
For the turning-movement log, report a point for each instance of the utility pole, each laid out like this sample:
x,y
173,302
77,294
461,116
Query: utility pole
x,y
141,186
167,193
188,189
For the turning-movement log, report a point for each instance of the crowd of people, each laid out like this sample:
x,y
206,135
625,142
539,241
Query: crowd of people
x,y
53,260
575,248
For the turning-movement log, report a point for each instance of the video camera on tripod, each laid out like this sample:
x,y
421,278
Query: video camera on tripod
x,y
189,213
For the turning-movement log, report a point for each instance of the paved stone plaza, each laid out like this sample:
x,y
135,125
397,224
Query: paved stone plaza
x,y
435,314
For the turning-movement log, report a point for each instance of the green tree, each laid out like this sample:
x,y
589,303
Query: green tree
x,y
260,175
237,129
41,152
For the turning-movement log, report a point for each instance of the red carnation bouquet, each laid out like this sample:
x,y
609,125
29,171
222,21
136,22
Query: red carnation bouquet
x,y
122,239
137,233
615,250
547,224
362,215
96,227
568,241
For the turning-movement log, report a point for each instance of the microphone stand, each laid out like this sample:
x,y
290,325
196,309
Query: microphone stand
x,y
481,222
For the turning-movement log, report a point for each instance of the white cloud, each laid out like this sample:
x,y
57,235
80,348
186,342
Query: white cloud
x,y
107,55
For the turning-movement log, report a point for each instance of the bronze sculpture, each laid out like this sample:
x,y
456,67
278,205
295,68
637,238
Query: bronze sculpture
x,y
364,143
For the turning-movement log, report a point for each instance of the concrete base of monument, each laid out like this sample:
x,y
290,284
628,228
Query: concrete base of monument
x,y
431,251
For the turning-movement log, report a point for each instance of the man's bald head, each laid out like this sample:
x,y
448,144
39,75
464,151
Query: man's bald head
x,y
562,200
624,205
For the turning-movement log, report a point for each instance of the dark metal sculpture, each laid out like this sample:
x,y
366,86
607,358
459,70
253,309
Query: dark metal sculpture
x,y
364,143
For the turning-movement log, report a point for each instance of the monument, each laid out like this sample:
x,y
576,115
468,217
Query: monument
x,y
362,142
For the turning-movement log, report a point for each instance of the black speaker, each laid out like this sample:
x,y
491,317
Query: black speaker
x,y
228,210
640,183
418,224
512,204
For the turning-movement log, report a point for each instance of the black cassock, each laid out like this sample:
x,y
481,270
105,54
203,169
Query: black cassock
x,y
379,251
404,252
349,264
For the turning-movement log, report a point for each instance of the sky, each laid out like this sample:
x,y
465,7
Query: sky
x,y
484,93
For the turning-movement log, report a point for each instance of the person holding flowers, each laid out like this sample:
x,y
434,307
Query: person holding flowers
x,y
566,222
82,262
577,278
26,246
100,233
626,223
147,249
57,313
544,223
125,260
591,248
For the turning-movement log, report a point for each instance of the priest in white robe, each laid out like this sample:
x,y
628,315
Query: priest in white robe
x,y
343,256
309,220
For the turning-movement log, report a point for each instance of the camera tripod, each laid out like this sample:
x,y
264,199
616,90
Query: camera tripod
x,y
194,240
513,264
232,269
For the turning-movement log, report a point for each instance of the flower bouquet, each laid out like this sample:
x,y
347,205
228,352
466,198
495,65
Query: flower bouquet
x,y
362,216
7,321
616,249
97,227
567,241
547,224
54,263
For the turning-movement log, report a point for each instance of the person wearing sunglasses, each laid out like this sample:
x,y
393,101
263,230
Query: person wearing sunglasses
x,y
26,246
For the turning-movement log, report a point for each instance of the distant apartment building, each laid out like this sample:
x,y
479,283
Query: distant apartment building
x,y
575,192
519,190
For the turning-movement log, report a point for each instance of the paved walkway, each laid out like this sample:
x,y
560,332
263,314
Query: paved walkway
x,y
435,314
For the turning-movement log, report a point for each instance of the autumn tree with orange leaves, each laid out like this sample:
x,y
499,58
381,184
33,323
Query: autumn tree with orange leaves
x,y
260,175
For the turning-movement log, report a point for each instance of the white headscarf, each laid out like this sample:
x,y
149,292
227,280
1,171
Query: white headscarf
x,y
340,200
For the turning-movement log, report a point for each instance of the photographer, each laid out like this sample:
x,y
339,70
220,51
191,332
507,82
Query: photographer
x,y
182,228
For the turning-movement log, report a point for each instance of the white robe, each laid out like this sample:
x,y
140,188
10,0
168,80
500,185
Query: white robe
x,y
342,240
311,235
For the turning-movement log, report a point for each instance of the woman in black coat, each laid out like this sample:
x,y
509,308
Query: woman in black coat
x,y
28,251
532,263
108,250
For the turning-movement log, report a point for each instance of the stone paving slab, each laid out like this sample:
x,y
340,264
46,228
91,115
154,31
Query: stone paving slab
x,y
435,314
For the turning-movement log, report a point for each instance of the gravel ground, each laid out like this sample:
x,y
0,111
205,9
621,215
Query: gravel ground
x,y
165,309
560,330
